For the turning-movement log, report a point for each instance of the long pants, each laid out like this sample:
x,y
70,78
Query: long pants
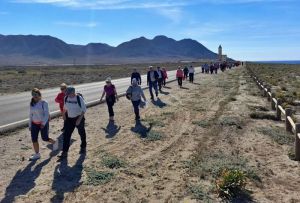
x,y
110,105
153,85
160,83
136,109
70,126
179,79
191,77
185,76
216,71
164,81
211,71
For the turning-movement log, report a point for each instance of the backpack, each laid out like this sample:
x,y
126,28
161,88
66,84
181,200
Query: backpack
x,y
78,95
129,94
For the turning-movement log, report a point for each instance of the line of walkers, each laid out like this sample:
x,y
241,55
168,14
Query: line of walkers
x,y
73,107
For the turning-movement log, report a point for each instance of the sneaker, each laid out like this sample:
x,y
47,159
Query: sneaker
x,y
35,157
55,146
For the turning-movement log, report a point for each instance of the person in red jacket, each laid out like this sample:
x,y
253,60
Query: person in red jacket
x,y
179,76
60,99
165,76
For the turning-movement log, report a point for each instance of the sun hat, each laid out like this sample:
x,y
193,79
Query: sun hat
x,y
108,79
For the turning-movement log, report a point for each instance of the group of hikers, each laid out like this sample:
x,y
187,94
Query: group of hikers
x,y
73,106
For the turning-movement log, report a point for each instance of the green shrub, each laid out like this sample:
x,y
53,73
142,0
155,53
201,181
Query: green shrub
x,y
263,115
112,162
231,183
154,136
278,135
98,177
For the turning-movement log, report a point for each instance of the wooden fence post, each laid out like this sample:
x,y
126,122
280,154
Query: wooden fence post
x,y
269,90
297,143
273,104
288,126
278,112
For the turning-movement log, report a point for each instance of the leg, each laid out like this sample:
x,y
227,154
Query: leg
x,y
150,89
82,133
155,88
70,126
35,129
110,109
136,109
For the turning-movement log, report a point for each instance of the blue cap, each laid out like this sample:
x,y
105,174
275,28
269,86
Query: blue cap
x,y
70,90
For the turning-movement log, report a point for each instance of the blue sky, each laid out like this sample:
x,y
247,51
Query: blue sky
x,y
247,29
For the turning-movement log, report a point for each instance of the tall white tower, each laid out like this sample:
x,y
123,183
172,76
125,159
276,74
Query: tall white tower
x,y
220,53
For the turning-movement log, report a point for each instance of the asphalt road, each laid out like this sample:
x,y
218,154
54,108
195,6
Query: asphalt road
x,y
15,107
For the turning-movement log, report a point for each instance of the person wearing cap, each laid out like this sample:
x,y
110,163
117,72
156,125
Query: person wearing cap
x,y
111,97
60,99
152,77
39,122
136,93
74,110
136,75
160,78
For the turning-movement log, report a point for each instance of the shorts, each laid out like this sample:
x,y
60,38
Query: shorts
x,y
35,129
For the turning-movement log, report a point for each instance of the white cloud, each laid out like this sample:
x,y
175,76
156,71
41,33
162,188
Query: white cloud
x,y
174,14
77,24
109,4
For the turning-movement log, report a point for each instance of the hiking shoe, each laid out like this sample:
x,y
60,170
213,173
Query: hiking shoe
x,y
55,146
62,156
35,157
82,151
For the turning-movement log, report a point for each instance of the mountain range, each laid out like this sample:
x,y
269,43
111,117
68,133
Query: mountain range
x,y
42,50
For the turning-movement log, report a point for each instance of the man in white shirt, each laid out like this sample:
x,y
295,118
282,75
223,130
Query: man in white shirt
x,y
74,110
191,74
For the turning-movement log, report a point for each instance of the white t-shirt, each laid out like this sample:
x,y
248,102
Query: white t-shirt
x,y
191,70
73,108
39,113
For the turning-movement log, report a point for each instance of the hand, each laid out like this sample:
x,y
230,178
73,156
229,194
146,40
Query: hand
x,y
78,121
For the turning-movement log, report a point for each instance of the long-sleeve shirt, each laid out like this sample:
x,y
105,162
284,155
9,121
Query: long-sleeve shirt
x,y
60,100
179,74
152,76
73,108
136,92
137,76
39,113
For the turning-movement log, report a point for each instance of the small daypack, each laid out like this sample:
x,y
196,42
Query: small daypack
x,y
78,95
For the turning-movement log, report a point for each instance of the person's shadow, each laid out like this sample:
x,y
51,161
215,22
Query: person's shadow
x,y
164,93
185,88
66,178
159,103
111,129
140,129
24,180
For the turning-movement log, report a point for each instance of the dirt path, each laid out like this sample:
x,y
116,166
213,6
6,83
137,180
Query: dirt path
x,y
152,170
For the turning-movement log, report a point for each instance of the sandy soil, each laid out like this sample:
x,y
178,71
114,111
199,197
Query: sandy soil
x,y
155,171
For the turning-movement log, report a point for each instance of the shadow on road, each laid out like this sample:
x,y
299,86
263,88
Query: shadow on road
x,y
66,178
24,180
164,93
111,129
140,129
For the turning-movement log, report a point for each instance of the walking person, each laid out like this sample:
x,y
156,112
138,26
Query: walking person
x,y
111,97
186,73
179,76
152,77
135,93
60,100
136,75
191,74
160,78
211,68
165,76
206,67
39,122
216,67
74,110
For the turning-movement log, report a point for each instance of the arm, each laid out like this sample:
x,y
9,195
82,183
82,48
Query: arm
x,y
102,95
116,94
83,108
46,114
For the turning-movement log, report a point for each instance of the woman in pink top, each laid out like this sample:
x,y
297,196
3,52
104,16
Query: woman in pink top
x,y
179,76
111,97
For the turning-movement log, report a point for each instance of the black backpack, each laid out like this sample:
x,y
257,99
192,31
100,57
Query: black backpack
x,y
78,95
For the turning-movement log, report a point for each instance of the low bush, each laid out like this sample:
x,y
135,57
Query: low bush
x,y
263,115
98,177
112,162
154,136
278,135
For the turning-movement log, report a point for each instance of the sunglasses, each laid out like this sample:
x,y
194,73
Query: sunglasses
x,y
62,88
34,94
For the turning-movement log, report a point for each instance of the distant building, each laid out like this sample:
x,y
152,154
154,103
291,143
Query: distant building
x,y
221,57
